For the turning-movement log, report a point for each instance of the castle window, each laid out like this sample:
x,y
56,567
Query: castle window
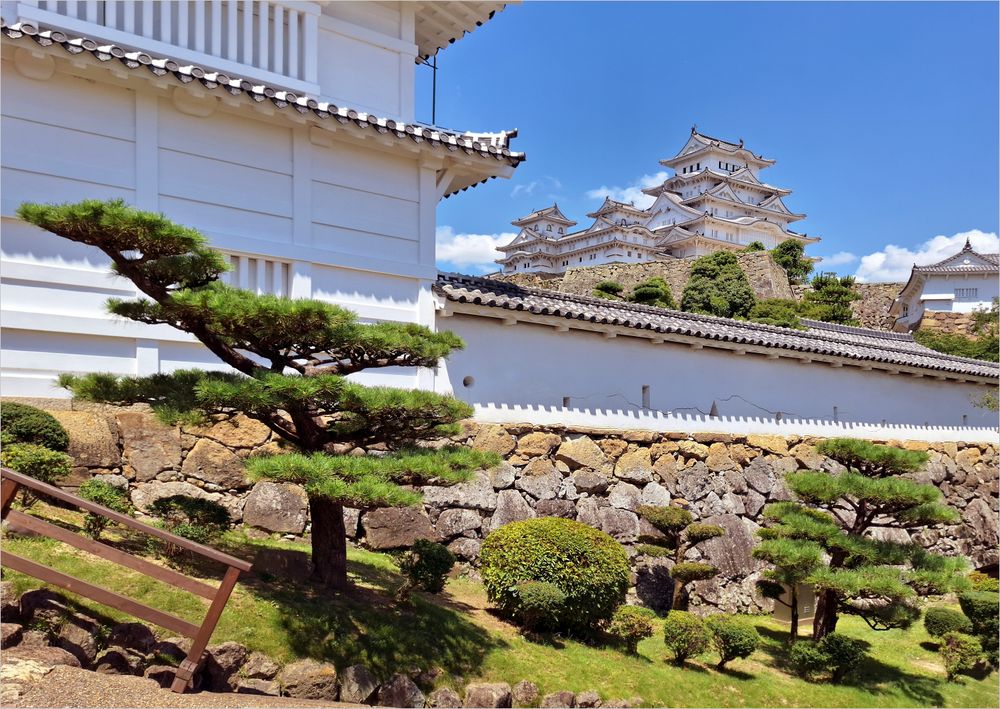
x,y
560,230
536,227
548,227
966,294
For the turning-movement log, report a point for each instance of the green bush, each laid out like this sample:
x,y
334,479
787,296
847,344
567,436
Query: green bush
x,y
666,519
790,255
718,286
808,659
983,582
654,550
959,652
685,635
21,423
779,312
108,495
590,567
609,290
540,605
754,246
654,291
843,654
425,565
630,625
732,637
38,462
939,621
688,571
193,518
981,608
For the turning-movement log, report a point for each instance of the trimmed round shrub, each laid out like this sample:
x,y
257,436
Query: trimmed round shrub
x,y
105,494
733,638
807,659
630,625
939,621
959,652
699,532
540,604
193,518
21,423
687,571
843,654
38,462
981,608
425,566
586,564
667,519
685,635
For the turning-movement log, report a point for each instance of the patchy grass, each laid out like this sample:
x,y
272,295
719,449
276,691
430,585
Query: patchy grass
x,y
456,633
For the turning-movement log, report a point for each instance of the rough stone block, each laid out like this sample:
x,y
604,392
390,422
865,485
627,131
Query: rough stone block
x,y
396,527
277,507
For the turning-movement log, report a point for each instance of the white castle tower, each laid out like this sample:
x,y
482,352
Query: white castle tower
x,y
715,200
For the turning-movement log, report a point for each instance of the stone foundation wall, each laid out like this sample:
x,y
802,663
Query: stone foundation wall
x,y
597,477
948,323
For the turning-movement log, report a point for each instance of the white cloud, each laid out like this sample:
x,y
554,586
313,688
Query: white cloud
x,y
528,189
631,193
839,259
893,263
475,252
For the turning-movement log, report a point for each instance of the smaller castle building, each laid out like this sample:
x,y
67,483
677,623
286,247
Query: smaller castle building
x,y
715,201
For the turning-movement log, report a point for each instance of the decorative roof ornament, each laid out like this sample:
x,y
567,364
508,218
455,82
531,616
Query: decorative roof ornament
x,y
694,129
741,142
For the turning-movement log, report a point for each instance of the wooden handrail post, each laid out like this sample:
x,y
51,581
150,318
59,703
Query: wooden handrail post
x,y
8,490
187,668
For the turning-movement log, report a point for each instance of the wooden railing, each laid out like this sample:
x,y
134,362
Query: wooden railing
x,y
11,481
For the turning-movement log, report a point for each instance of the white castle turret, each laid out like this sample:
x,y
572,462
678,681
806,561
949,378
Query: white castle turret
x,y
715,200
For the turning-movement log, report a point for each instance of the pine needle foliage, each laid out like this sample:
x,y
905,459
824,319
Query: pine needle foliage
x,y
718,286
654,291
288,358
831,536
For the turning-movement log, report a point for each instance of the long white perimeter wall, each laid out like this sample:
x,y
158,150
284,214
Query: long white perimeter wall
x,y
301,212
532,373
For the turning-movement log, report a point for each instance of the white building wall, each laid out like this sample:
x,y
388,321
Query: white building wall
x,y
987,288
536,365
349,224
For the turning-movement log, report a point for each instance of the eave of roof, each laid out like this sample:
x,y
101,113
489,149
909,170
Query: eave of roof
x,y
821,339
439,24
480,145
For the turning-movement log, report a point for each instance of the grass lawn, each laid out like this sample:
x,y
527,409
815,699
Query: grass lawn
x,y
457,634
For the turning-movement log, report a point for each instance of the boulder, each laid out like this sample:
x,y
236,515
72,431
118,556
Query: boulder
x,y
240,431
10,635
559,700
587,511
590,481
612,447
455,522
719,459
772,444
731,553
45,656
488,694
277,507
635,466
537,444
10,603
665,469
163,675
222,664
502,476
268,688
525,693
582,452
556,508
259,666
79,635
400,691
540,479
807,456
148,446
511,507
624,496
465,548
654,494
120,661
396,527
132,636
477,494
760,475
444,697
357,685
145,494
43,608
653,584
692,449
588,700
92,442
494,439
620,524
309,679
214,463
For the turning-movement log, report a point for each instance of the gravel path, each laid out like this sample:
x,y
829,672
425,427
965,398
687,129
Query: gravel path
x,y
72,687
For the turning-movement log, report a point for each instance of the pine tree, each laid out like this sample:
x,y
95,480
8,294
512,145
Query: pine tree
x,y
830,299
865,575
654,291
290,358
682,533
791,256
794,561
718,286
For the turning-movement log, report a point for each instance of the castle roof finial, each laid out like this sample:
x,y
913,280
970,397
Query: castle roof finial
x,y
741,142
694,129
968,244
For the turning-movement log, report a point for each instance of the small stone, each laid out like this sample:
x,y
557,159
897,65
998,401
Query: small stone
x,y
488,695
559,700
259,666
400,691
525,693
538,444
268,688
10,635
588,700
79,636
581,452
310,679
444,698
494,439
357,685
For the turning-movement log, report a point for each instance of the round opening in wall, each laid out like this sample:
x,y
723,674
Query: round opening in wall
x,y
468,382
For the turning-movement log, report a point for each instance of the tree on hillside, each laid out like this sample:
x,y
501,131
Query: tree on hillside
x,y
790,255
851,515
609,290
682,532
290,358
754,246
830,299
718,286
654,291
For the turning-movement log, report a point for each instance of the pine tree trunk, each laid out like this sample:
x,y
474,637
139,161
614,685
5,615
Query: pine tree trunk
x,y
677,601
329,543
825,621
794,608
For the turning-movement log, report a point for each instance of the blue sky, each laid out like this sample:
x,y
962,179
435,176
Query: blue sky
x,y
882,116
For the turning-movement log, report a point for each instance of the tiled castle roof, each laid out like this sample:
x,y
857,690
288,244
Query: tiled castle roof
x,y
819,338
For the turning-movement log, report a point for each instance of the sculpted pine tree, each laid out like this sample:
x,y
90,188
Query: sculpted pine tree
x,y
290,358
682,532
850,515
793,561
